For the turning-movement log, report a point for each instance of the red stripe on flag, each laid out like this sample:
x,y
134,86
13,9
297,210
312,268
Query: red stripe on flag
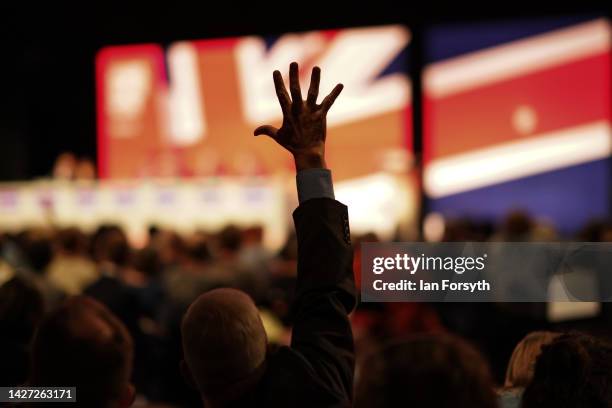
x,y
561,97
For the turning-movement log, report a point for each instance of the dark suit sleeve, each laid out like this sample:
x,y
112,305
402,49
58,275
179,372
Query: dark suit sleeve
x,y
325,293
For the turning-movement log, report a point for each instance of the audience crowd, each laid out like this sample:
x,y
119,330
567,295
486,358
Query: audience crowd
x,y
216,319
63,285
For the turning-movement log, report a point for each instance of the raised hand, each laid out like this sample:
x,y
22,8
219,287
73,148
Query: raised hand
x,y
304,122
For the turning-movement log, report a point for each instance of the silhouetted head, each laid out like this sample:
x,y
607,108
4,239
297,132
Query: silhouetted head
x,y
82,344
37,247
110,244
21,309
574,370
224,344
426,371
72,241
199,251
517,225
230,239
520,368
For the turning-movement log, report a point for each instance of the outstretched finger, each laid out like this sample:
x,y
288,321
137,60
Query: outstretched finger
x,y
313,90
266,130
331,98
294,86
281,92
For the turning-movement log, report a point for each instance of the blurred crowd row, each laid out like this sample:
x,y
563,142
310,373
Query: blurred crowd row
x,y
150,288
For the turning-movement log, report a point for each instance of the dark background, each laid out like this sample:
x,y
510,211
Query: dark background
x,y
47,94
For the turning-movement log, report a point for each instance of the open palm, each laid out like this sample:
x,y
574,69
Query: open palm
x,y
303,130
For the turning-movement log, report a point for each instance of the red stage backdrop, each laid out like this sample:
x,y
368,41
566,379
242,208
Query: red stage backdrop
x,y
189,110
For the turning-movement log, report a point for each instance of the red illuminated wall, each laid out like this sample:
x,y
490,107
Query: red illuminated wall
x,y
190,109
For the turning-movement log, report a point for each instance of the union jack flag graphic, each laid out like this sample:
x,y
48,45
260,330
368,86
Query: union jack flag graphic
x,y
189,109
518,115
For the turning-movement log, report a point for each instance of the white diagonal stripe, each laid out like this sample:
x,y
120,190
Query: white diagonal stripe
x,y
517,58
494,165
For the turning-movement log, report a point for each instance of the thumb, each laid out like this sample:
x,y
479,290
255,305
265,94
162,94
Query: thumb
x,y
266,130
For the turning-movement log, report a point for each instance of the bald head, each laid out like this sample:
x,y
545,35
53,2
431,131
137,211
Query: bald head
x,y
224,340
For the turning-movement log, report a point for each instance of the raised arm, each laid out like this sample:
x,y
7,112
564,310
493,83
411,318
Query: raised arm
x,y
325,291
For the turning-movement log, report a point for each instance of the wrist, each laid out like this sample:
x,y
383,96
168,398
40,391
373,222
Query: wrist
x,y
309,160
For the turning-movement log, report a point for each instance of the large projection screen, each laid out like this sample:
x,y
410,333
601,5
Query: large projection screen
x,y
517,116
189,109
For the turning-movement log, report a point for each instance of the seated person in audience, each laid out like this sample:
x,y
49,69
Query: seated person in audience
x,y
35,252
21,309
520,368
437,371
82,344
574,370
225,346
